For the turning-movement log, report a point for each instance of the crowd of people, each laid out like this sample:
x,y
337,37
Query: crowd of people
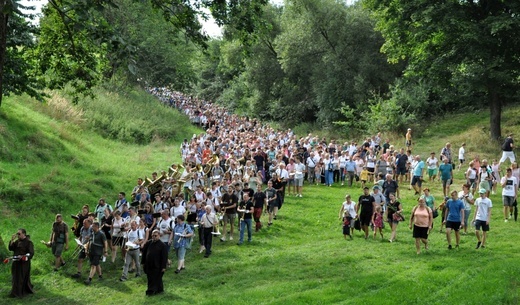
x,y
238,170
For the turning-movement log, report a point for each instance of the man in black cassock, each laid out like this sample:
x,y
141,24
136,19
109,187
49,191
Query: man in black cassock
x,y
23,249
154,259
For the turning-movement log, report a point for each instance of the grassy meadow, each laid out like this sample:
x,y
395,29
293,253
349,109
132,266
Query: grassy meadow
x,y
53,159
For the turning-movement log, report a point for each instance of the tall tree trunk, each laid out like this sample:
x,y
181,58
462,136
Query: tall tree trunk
x,y
3,45
495,111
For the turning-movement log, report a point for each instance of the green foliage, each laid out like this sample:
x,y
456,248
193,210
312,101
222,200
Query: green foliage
x,y
67,55
307,59
466,50
152,48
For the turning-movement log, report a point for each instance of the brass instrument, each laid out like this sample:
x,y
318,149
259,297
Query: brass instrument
x,y
214,161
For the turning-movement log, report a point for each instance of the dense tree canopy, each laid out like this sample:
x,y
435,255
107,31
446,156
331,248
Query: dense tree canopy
x,y
467,50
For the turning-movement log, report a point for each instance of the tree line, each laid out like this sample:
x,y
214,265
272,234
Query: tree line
x,y
376,65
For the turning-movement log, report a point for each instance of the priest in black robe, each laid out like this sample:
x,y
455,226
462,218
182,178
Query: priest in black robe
x,y
23,252
154,259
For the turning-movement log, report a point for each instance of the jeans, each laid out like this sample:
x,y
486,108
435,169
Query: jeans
x,y
243,224
329,177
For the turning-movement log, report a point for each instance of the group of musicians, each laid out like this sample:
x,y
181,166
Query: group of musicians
x,y
230,176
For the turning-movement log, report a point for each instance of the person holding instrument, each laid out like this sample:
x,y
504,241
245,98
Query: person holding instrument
x,y
59,240
23,252
246,207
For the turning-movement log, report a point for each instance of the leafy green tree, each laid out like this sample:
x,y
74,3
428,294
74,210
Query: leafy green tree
x,y
469,47
16,42
330,54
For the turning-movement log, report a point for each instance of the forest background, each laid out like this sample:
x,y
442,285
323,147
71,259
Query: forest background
x,y
374,65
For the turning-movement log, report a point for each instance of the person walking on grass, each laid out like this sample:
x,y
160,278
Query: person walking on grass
x,y
421,221
462,153
467,199
509,193
482,217
417,172
446,171
454,217
98,248
366,204
348,210
377,222
394,214
507,150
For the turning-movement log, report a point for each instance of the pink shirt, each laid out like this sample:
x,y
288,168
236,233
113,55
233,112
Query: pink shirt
x,y
421,217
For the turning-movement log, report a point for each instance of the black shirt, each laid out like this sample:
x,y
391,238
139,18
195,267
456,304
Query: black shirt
x,y
259,199
508,144
229,200
401,160
247,206
366,204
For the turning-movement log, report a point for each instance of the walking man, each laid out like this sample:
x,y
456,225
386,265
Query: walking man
x,y
454,216
482,217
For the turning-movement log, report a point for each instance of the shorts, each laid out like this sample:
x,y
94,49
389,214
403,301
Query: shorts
x,y
229,218
346,230
453,225
57,249
290,181
180,252
485,185
82,254
94,260
432,171
391,219
117,241
401,171
508,201
420,232
462,161
408,143
371,170
298,181
417,180
365,220
472,183
446,183
481,223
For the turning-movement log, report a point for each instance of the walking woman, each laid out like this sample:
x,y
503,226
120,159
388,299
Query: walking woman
x,y
421,220
393,215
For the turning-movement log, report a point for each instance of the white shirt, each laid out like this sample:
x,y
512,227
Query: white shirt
x,y
511,184
299,168
483,205
432,163
350,208
461,153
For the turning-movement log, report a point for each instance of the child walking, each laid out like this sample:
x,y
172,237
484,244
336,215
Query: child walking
x,y
346,225
377,221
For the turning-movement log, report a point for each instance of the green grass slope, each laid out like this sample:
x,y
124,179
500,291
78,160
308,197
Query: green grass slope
x,y
51,161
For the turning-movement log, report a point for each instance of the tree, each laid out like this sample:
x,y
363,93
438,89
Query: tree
x,y
468,46
16,39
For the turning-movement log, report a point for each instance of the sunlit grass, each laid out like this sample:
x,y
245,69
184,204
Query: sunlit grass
x,y
50,166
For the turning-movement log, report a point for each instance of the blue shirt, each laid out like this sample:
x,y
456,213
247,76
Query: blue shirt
x,y
350,166
455,207
179,241
445,170
418,169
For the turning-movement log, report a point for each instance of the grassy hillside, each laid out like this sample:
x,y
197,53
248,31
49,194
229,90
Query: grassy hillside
x,y
52,161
